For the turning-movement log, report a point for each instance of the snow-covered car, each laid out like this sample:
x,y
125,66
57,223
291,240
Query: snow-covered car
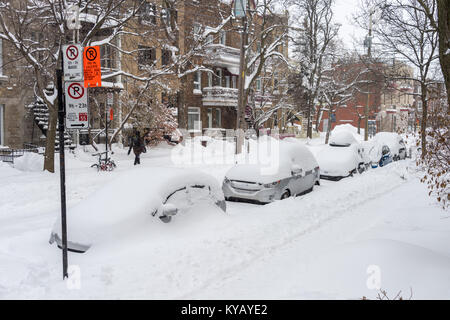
x,y
380,155
364,150
395,143
386,156
341,158
132,200
297,172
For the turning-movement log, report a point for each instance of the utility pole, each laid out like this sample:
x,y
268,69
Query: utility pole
x,y
369,54
241,11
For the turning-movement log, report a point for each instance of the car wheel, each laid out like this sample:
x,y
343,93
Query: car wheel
x,y
361,168
166,219
285,195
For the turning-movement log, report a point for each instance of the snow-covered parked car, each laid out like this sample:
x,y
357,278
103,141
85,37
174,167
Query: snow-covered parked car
x,y
297,171
395,143
133,200
341,158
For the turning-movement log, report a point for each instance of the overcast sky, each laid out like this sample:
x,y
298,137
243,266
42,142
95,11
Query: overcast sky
x,y
343,15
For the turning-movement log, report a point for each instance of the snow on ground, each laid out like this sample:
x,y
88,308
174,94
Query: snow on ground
x,y
319,245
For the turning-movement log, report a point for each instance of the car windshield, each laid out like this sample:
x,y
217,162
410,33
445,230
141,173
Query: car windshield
x,y
343,145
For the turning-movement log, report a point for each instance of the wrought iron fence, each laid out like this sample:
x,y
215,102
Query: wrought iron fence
x,y
8,155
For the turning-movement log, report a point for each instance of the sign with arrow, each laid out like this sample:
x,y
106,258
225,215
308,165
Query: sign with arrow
x,y
76,106
73,62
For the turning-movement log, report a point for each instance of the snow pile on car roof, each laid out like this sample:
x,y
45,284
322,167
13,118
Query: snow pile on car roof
x,y
349,128
270,160
342,138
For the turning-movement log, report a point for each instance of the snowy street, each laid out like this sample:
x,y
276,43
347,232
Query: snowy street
x,y
341,241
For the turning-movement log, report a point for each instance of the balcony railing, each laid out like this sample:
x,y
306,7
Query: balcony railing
x,y
222,56
220,96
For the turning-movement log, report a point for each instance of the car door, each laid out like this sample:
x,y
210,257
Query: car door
x,y
296,180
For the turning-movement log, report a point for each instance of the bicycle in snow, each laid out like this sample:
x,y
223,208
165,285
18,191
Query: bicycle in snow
x,y
104,162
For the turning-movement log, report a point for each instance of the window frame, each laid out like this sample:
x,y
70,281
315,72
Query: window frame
x,y
197,81
194,111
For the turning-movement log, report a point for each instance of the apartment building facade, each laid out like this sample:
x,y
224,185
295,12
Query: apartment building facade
x,y
201,95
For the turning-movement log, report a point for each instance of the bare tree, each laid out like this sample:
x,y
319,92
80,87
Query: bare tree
x,y
405,30
264,51
312,43
338,86
19,20
438,11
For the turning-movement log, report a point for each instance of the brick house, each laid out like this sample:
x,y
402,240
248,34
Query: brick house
x,y
200,100
16,123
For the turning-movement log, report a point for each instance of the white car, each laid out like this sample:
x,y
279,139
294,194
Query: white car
x,y
395,143
293,171
132,200
341,158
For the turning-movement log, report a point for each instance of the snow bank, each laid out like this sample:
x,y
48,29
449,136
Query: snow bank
x,y
387,264
6,169
29,162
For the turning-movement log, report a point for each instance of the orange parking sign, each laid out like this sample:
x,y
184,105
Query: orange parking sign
x,y
91,66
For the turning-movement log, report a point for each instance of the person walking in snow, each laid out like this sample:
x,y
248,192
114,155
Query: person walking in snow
x,y
137,144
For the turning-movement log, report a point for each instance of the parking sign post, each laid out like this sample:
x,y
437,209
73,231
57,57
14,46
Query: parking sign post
x,y
62,170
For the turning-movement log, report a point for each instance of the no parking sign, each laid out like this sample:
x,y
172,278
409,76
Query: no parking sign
x,y
73,62
76,106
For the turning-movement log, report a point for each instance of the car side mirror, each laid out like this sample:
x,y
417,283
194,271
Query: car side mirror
x,y
169,210
296,170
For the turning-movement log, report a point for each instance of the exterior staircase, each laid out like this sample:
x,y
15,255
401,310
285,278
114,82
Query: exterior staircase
x,y
40,115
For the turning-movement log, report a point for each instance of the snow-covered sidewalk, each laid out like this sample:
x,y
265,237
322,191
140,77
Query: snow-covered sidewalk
x,y
319,245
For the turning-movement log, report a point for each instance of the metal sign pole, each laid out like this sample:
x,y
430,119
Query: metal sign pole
x,y
106,129
62,170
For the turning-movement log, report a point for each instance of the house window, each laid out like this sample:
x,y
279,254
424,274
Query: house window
x,y
165,16
275,82
194,122
210,79
197,81
227,81
165,57
210,120
258,84
106,55
197,29
2,130
223,37
146,56
209,39
147,13
234,80
218,118
218,77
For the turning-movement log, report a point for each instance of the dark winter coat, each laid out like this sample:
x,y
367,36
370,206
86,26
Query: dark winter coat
x,y
137,144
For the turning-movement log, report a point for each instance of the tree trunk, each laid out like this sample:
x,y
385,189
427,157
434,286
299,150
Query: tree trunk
x,y
318,118
49,156
327,138
444,41
308,128
424,120
359,125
